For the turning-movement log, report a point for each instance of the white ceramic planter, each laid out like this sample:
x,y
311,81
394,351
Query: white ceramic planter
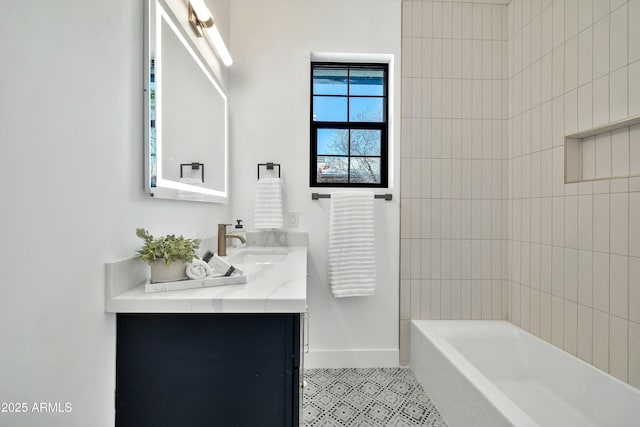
x,y
161,272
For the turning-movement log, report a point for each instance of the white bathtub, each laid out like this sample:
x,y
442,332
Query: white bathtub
x,y
492,373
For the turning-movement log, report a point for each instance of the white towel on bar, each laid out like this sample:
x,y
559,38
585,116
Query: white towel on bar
x,y
352,269
268,213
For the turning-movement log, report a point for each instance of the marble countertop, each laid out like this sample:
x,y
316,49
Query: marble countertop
x,y
271,288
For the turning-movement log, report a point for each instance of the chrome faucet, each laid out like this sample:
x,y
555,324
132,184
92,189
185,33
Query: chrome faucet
x,y
222,239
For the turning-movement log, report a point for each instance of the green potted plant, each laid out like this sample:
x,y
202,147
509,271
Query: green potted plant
x,y
167,255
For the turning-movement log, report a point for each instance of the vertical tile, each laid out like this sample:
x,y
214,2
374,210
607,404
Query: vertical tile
x,y
601,281
618,94
415,299
425,299
589,155
601,47
546,31
571,64
571,221
407,18
534,312
601,107
585,14
585,278
585,333
618,347
416,19
435,300
571,111
634,289
425,254
465,295
634,148
600,9
619,286
415,258
634,354
486,299
634,87
634,30
571,274
585,107
515,304
634,225
405,299
558,221
585,222
603,155
558,76
455,299
476,299
536,270
404,333
405,258
619,232
545,316
427,19
558,23
524,307
570,18
601,340
619,38
557,321
571,327
436,23
467,20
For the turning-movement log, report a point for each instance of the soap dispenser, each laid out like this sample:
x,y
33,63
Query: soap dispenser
x,y
238,229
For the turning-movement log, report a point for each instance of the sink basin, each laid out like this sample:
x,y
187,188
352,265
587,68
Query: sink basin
x,y
257,256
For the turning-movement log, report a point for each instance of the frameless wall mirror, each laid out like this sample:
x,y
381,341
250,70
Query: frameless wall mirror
x,y
186,114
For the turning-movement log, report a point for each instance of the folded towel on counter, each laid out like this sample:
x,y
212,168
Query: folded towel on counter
x,y
268,212
198,269
352,269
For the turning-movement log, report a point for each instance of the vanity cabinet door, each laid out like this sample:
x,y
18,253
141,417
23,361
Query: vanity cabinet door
x,y
207,370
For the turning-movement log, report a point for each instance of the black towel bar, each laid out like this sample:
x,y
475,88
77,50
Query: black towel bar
x,y
316,196
269,166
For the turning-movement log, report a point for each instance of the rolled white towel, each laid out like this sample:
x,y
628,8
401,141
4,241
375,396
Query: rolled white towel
x,y
198,269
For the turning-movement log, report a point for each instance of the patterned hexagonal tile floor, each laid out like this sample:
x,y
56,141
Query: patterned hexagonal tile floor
x,y
379,397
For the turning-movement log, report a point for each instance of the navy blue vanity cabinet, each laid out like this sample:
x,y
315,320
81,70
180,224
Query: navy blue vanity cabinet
x,y
208,370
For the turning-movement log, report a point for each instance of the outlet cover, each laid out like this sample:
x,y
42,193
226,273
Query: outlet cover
x,y
292,219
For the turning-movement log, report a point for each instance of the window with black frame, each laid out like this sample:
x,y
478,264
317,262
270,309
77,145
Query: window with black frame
x,y
349,112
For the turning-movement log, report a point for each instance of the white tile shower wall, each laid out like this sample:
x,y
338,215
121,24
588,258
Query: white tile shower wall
x,y
454,165
575,281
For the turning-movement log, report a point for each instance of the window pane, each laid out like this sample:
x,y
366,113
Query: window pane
x,y
333,141
329,81
332,169
365,110
365,170
329,109
365,142
366,82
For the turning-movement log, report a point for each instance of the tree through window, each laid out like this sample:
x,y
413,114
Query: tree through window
x,y
349,111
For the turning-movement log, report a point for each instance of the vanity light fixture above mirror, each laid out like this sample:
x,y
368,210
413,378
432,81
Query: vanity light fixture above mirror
x,y
202,23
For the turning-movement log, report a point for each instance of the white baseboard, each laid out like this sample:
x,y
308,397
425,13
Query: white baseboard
x,y
352,359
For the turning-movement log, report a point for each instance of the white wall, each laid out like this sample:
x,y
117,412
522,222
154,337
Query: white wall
x,y
71,173
575,248
271,42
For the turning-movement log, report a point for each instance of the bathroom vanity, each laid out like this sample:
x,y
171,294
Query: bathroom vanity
x,y
227,355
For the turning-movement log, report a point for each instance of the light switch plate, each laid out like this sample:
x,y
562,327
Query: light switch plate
x,y
292,219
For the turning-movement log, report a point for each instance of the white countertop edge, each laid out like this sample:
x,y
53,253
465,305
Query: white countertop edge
x,y
275,288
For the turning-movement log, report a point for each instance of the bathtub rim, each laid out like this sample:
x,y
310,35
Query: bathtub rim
x,y
493,395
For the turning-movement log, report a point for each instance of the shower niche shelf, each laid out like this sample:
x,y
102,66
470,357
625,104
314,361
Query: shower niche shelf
x,y
587,152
